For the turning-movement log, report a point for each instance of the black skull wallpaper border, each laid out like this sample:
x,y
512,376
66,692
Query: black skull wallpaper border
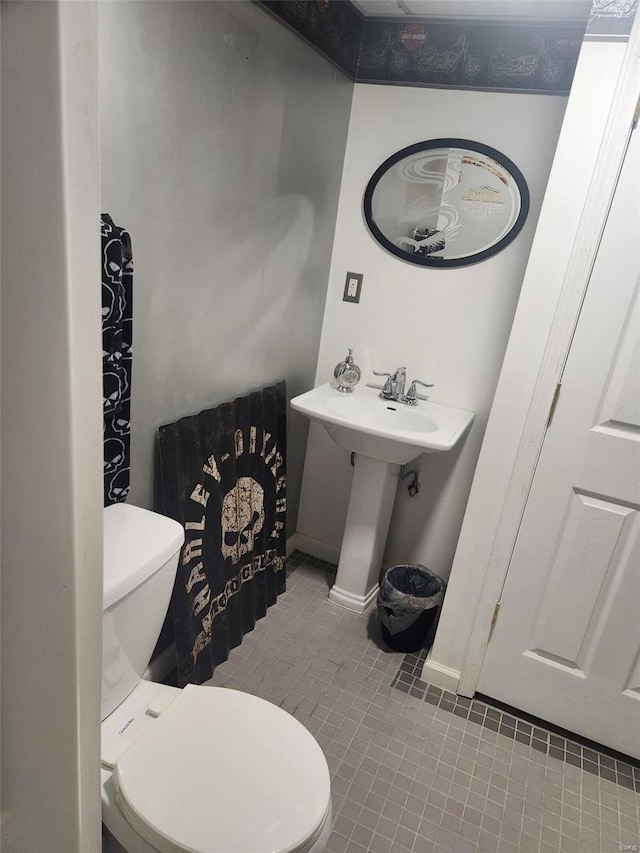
x,y
117,332
224,479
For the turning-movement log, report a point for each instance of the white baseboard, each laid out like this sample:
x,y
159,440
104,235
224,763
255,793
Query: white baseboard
x,y
355,603
440,675
292,544
317,548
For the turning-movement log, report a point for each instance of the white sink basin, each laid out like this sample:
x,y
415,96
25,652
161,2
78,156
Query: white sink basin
x,y
381,429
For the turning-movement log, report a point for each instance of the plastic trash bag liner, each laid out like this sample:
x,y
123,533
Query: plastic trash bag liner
x,y
405,593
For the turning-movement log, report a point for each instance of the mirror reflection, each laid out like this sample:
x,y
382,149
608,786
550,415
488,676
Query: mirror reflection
x,y
447,202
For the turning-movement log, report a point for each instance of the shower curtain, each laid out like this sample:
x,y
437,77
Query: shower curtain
x,y
223,478
117,283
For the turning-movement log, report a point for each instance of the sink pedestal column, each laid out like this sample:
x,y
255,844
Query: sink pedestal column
x,y
373,492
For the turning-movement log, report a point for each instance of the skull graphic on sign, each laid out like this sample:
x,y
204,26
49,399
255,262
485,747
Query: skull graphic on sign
x,y
242,518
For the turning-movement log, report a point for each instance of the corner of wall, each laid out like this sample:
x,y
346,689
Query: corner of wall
x,y
51,429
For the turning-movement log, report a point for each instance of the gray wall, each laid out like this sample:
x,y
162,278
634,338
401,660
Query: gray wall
x,y
222,143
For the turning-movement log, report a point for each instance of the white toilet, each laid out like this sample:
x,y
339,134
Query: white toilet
x,y
203,769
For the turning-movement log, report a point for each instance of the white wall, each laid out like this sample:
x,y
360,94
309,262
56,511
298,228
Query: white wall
x,y
51,430
222,141
591,96
448,326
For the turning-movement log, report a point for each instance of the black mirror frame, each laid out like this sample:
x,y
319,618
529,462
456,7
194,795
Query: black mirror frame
x,y
444,263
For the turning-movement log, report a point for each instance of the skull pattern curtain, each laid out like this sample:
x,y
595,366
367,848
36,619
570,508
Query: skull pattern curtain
x,y
117,322
224,480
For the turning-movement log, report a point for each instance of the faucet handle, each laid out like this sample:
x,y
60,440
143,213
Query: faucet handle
x,y
380,373
411,393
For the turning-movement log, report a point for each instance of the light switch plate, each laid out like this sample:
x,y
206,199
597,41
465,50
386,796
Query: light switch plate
x,y
352,287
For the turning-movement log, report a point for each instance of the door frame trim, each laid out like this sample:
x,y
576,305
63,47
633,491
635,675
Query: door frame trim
x,y
596,209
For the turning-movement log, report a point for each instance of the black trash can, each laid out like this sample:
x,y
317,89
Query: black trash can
x,y
408,603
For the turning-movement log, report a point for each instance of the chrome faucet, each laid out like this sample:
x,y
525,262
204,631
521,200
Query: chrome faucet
x,y
394,387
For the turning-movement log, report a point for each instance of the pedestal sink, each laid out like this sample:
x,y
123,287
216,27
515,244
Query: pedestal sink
x,y
384,435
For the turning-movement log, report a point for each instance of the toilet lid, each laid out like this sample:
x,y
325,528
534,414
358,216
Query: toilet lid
x,y
222,771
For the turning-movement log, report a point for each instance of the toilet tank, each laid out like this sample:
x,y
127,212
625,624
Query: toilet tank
x,y
141,550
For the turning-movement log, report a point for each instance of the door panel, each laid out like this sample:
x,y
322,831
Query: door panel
x,y
569,618
621,401
566,646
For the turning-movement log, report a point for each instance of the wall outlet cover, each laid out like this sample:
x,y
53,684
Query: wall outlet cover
x,y
352,287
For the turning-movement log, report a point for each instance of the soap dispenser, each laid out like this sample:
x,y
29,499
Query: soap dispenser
x,y
347,374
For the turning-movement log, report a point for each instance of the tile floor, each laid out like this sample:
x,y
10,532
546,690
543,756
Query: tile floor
x,y
528,730
408,773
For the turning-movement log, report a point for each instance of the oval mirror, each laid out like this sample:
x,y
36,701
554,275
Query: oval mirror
x,y
446,203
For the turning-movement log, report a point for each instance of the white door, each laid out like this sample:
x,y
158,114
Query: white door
x,y
566,645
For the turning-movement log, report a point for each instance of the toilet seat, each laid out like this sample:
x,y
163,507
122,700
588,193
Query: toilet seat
x,y
216,771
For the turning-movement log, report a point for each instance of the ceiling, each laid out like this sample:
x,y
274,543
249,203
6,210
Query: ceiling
x,y
519,10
